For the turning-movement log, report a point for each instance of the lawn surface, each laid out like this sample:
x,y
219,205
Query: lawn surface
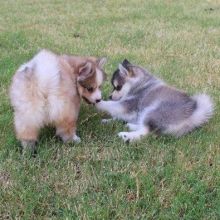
x,y
103,178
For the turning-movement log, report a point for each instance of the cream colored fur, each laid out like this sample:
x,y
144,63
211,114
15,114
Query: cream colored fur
x,y
45,91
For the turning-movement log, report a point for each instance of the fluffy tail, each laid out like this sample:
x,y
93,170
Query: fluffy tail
x,y
204,110
201,115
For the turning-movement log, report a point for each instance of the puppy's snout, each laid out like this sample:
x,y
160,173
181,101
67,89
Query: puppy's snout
x,y
110,97
97,100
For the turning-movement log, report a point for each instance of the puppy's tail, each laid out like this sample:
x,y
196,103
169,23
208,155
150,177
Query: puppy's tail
x,y
203,112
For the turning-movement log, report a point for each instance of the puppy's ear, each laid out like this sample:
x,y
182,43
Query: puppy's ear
x,y
126,63
84,71
101,62
123,71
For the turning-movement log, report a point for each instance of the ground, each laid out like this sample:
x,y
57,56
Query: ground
x,y
103,178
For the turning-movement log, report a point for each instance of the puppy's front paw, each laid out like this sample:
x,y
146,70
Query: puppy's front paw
x,y
97,104
76,139
125,136
101,105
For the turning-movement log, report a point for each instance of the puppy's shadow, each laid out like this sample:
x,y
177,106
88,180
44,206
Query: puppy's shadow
x,y
90,128
48,134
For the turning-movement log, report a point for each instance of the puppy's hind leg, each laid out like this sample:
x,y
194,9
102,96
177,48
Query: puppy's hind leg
x,y
26,131
134,135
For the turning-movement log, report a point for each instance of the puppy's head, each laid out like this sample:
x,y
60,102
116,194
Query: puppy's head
x,y
90,78
124,78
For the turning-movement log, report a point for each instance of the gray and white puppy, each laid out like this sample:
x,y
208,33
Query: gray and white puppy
x,y
148,104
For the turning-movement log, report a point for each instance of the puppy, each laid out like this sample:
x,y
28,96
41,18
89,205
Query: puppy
x,y
148,104
48,89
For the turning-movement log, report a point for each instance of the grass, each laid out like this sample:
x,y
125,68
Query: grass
x,y
103,178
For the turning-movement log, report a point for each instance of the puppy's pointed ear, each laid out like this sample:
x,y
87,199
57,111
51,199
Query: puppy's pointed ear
x,y
122,70
101,62
126,63
84,71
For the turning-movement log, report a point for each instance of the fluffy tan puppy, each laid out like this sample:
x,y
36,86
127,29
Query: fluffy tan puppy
x,y
48,89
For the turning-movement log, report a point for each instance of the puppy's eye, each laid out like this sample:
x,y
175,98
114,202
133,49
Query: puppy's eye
x,y
90,89
118,88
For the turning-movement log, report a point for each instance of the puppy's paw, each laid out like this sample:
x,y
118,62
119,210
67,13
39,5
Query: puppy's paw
x,y
106,120
125,136
28,144
76,139
132,127
29,147
98,104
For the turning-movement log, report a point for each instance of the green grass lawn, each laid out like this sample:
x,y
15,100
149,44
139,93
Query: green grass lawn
x,y
103,178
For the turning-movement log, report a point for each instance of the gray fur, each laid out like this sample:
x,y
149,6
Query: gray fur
x,y
155,106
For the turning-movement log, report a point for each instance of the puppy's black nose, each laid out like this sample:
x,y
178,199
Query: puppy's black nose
x,y
97,100
110,97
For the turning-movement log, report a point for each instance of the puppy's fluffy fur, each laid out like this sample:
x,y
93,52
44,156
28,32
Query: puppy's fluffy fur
x,y
47,90
148,104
